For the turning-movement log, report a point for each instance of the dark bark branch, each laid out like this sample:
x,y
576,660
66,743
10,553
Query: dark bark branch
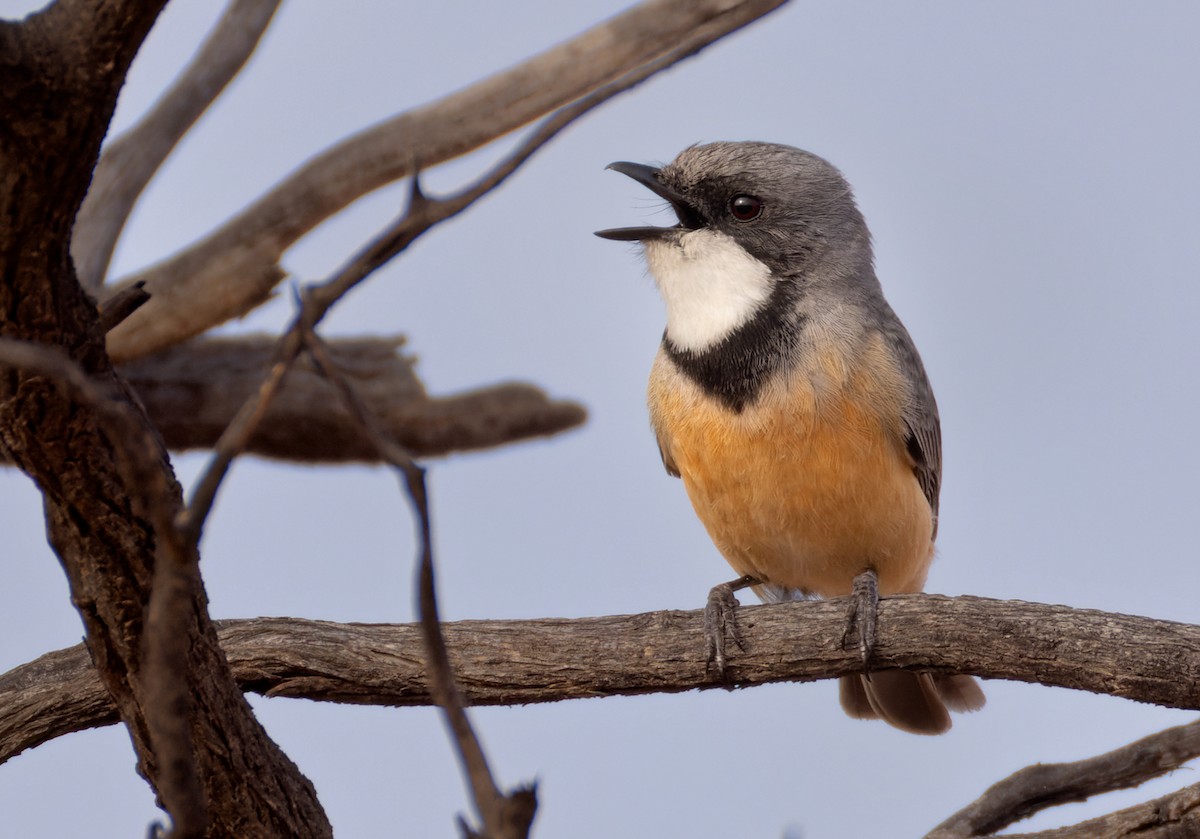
x,y
167,707
59,80
1045,785
234,268
192,393
128,163
521,662
121,305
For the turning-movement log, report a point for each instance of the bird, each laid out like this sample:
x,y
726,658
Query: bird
x,y
792,402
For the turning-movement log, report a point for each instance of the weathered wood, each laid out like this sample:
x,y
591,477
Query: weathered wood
x,y
520,662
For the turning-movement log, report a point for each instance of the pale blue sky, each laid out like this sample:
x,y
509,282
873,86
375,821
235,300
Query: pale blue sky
x,y
1030,175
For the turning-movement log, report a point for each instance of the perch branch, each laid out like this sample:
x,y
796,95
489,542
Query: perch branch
x,y
548,660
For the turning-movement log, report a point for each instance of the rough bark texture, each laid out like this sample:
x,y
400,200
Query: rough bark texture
x,y
60,71
519,662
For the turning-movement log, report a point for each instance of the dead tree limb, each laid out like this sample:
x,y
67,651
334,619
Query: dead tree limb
x,y
549,660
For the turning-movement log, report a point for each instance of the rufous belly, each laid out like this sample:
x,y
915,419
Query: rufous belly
x,y
799,491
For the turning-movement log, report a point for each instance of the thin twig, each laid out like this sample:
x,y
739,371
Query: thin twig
x,y
129,162
1045,785
167,680
365,420
494,808
233,441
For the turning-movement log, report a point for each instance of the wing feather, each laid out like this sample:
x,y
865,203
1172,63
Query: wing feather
x,y
922,426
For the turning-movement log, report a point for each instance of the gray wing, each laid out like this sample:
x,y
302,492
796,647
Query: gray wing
x,y
923,429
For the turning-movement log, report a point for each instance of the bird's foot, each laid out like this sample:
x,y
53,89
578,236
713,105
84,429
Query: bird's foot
x,y
862,613
720,623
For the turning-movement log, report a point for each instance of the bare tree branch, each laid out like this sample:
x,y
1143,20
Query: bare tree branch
x,y
234,268
418,218
232,442
549,660
128,163
1174,816
129,553
192,392
1045,785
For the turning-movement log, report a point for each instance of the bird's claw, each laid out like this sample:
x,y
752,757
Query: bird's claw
x,y
721,623
862,614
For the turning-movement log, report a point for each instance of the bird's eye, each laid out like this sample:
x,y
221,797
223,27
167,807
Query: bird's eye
x,y
745,207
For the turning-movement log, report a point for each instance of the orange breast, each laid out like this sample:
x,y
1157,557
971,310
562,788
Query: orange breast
x,y
808,487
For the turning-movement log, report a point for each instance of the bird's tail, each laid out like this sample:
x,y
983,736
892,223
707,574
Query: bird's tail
x,y
915,702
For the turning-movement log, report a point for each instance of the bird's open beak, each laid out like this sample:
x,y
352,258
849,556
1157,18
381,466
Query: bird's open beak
x,y
647,176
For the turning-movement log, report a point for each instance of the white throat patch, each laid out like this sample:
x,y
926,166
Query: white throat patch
x,y
710,284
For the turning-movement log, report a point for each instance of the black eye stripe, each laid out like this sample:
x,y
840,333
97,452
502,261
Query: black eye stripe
x,y
745,207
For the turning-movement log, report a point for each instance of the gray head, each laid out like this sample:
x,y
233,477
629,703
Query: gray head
x,y
786,207
766,232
